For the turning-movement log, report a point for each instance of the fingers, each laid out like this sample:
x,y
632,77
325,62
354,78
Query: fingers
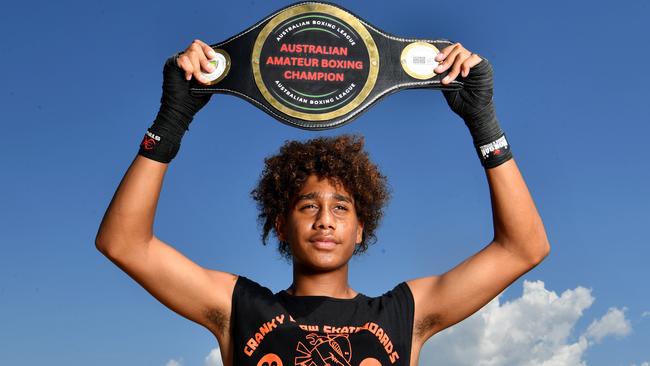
x,y
207,50
458,60
195,59
447,57
455,56
470,62
463,63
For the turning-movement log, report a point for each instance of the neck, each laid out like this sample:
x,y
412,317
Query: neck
x,y
332,284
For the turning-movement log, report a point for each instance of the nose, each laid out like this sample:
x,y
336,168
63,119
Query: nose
x,y
325,220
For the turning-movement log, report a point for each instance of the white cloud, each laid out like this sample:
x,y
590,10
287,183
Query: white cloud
x,y
643,364
533,330
173,363
214,358
645,313
612,323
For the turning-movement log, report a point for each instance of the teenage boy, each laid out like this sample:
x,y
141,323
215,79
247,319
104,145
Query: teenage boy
x,y
322,199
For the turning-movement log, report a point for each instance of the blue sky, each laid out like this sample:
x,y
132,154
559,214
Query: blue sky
x,y
81,83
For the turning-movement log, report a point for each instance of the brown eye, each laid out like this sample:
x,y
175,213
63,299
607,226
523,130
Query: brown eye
x,y
341,207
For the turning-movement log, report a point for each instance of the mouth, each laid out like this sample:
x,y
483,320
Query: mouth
x,y
323,242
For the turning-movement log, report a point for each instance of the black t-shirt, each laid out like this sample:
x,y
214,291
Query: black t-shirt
x,y
319,330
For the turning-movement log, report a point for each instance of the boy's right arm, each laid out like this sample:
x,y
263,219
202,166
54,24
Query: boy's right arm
x,y
126,237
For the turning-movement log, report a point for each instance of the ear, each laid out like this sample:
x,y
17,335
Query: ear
x,y
359,232
279,228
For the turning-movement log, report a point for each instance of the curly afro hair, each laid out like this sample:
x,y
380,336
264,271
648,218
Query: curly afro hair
x,y
340,159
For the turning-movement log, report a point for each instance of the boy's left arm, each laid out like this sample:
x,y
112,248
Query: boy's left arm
x,y
520,241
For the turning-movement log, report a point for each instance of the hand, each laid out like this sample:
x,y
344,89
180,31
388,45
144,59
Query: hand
x,y
473,103
459,59
477,80
194,59
177,105
176,95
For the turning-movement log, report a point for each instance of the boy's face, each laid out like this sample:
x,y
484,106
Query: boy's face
x,y
322,227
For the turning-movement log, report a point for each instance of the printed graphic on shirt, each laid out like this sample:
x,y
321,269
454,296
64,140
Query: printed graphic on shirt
x,y
270,359
328,349
320,345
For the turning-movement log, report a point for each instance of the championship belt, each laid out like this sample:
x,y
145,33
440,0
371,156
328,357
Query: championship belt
x,y
316,66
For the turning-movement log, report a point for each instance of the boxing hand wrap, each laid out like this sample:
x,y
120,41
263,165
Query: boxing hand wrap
x,y
162,140
474,104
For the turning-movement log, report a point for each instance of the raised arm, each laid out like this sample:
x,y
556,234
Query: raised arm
x,y
126,235
519,242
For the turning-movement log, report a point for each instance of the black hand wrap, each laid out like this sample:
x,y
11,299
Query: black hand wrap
x,y
177,109
474,105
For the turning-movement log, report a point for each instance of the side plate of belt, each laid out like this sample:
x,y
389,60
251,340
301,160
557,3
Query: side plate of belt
x,y
316,66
